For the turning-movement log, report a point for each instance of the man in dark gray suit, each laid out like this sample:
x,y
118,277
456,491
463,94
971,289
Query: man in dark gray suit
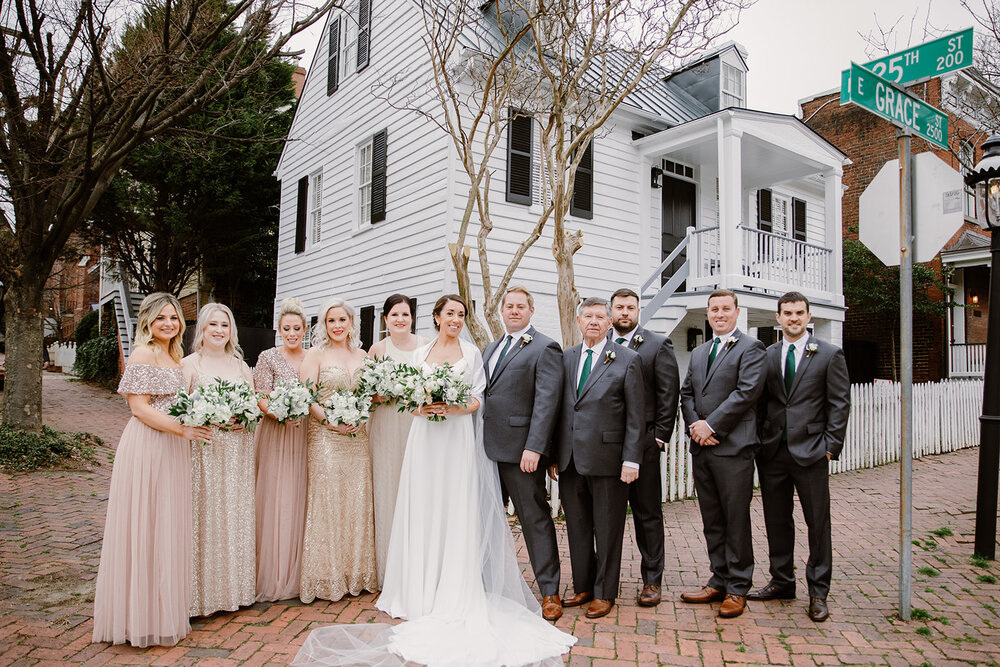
x,y
600,438
662,385
718,400
521,403
806,404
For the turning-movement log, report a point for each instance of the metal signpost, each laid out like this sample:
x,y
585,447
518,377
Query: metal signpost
x,y
875,87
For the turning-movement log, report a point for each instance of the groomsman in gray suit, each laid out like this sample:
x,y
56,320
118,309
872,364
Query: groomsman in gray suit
x,y
524,382
661,385
718,400
600,438
806,404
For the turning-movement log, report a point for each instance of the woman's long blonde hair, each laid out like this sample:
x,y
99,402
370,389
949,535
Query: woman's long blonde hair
x,y
204,315
148,310
319,335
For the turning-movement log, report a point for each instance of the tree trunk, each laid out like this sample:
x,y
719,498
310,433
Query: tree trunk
x,y
22,405
564,246
460,259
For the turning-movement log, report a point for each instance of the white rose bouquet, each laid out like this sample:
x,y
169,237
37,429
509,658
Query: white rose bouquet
x,y
218,403
290,400
378,377
347,407
446,385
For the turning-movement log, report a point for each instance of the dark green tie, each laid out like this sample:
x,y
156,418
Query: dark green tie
x,y
620,340
503,353
585,373
789,369
711,355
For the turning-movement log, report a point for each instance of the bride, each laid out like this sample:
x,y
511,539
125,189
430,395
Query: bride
x,y
451,571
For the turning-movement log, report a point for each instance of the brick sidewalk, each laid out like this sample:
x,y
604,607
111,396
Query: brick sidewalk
x,y
51,525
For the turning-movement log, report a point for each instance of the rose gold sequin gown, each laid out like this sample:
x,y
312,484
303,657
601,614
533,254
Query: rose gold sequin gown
x,y
338,556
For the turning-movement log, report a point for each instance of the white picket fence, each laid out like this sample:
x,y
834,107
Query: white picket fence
x,y
64,355
945,419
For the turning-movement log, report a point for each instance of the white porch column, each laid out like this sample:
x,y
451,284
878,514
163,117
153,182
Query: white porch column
x,y
833,219
830,331
647,206
730,207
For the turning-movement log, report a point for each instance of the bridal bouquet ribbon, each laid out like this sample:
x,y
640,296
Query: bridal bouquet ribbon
x,y
217,403
347,407
290,400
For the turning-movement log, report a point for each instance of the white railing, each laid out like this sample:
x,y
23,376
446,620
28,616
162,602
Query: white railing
x,y
945,419
774,261
704,258
64,355
967,360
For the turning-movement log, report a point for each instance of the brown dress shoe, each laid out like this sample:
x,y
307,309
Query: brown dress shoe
x,y
599,608
577,599
649,597
733,606
551,607
818,610
704,596
772,591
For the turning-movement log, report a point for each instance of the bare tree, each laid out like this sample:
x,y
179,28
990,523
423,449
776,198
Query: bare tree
x,y
82,85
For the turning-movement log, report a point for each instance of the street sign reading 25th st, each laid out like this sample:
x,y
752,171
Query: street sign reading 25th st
x,y
882,98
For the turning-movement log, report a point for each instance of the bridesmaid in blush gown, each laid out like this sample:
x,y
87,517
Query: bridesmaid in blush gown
x,y
389,427
338,554
143,581
222,478
281,466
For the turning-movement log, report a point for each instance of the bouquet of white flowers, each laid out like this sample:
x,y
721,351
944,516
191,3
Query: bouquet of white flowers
x,y
217,403
442,384
378,377
290,400
347,407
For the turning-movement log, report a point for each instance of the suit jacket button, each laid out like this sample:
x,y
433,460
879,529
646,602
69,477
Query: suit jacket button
x,y
576,408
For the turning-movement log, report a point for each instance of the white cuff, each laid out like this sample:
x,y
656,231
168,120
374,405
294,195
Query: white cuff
x,y
629,464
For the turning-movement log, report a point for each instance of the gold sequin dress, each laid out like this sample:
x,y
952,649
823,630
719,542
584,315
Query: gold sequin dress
x,y
143,582
222,518
338,556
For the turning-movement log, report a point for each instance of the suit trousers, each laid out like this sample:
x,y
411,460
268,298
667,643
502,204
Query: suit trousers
x,y
725,487
595,516
780,477
645,498
527,490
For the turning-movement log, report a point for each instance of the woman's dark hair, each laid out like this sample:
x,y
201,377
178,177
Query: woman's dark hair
x,y
440,304
393,301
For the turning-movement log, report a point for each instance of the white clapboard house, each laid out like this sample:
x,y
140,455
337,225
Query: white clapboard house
x,y
689,192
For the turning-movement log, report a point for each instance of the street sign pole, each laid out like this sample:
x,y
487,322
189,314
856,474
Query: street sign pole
x,y
906,359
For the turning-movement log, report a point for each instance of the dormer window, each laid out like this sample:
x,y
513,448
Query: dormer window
x,y
732,94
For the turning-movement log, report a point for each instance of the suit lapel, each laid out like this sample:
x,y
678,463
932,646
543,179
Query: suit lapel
x,y
802,367
595,372
721,355
515,347
487,355
774,359
632,344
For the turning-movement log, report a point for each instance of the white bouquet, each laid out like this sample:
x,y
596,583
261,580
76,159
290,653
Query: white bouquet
x,y
442,384
378,377
217,404
290,400
347,407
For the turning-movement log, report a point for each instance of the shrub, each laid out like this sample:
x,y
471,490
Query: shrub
x,y
97,360
21,451
87,328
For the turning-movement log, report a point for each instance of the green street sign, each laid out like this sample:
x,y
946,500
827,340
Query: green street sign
x,y
882,98
938,56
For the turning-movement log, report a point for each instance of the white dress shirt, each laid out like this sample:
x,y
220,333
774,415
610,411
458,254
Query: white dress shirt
x,y
627,336
800,349
515,341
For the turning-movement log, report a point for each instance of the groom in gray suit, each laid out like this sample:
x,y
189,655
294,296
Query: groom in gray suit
x,y
601,432
520,407
806,404
725,378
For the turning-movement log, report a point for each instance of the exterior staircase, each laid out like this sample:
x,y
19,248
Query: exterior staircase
x,y
657,313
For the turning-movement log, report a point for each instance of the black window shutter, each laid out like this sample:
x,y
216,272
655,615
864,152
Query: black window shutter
x,y
764,211
301,204
582,204
378,175
798,219
364,33
519,158
333,61
413,315
367,326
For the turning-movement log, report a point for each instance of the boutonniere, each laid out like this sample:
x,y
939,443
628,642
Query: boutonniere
x,y
811,348
609,356
525,339
638,340
731,342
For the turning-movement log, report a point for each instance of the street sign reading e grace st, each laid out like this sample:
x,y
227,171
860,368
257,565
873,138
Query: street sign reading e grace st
x,y
882,98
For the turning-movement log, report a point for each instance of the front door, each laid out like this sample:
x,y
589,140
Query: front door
x,y
678,201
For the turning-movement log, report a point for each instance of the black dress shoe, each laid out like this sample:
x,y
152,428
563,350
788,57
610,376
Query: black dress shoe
x,y
772,592
817,609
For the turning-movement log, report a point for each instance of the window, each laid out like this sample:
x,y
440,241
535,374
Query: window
x,y
301,214
371,179
316,208
307,339
764,215
582,203
732,86
967,160
348,49
519,131
350,45
682,170
798,219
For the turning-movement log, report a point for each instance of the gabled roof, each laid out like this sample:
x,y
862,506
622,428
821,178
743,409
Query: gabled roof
x,y
969,240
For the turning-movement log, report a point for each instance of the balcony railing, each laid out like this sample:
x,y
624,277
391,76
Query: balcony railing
x,y
967,360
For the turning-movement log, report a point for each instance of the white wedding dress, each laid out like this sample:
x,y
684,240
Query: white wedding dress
x,y
451,571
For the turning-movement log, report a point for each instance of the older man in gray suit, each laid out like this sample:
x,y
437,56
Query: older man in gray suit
x,y
600,437
806,404
520,407
718,400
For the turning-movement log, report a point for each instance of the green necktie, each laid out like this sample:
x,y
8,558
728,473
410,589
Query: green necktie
x,y
789,369
503,353
620,340
585,373
711,355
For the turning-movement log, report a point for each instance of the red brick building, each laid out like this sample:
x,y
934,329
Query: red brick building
x,y
945,346
72,291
